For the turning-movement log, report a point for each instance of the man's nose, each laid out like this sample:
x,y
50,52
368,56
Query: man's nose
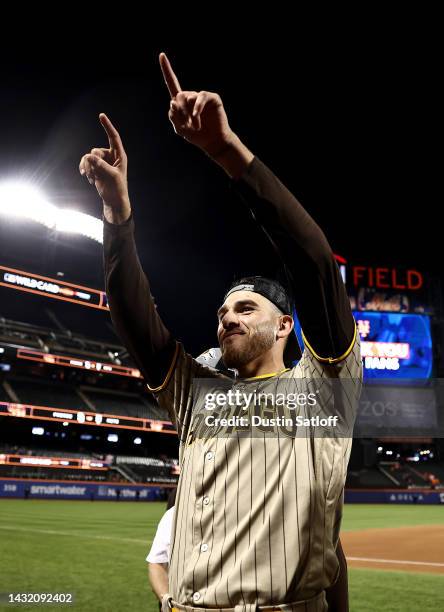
x,y
230,320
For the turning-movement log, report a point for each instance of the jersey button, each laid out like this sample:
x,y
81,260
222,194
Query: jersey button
x,y
209,455
196,596
204,547
206,500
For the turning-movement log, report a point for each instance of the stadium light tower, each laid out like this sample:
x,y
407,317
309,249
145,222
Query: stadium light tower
x,y
23,200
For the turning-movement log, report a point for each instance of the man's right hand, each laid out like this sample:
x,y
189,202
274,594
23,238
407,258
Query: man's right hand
x,y
107,170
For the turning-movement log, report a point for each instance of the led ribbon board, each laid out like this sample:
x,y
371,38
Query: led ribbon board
x,y
52,288
79,417
77,362
52,462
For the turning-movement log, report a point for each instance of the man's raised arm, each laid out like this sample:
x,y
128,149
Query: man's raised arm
x,y
132,307
318,291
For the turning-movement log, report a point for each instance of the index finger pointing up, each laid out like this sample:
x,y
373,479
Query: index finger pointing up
x,y
113,135
171,79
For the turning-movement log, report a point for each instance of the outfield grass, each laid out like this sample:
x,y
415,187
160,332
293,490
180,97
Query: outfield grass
x,y
387,591
369,516
97,551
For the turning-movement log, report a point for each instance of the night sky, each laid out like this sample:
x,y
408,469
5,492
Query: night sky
x,y
347,124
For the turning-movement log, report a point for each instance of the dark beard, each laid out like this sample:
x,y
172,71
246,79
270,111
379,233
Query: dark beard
x,y
261,341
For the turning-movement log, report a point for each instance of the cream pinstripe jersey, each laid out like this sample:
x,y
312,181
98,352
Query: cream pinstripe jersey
x,y
257,518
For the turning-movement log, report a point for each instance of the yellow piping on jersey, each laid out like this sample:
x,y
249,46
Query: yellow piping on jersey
x,y
267,375
168,376
331,359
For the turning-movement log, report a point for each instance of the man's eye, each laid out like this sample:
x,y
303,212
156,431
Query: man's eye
x,y
246,310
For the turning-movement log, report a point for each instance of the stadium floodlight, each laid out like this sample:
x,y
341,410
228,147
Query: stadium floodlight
x,y
24,201
137,440
113,438
73,221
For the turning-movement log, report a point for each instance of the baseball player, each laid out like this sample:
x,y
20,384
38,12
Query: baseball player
x,y
257,517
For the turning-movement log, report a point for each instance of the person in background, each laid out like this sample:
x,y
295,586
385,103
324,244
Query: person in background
x,y
159,556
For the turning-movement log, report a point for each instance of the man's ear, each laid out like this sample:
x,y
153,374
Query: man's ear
x,y
286,325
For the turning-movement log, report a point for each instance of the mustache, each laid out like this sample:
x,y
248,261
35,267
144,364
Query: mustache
x,y
233,332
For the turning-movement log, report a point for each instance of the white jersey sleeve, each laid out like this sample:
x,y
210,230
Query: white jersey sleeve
x,y
160,548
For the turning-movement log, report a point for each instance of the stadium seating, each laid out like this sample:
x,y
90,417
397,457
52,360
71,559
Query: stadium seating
x,y
4,397
43,452
148,469
370,478
431,467
107,401
47,393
